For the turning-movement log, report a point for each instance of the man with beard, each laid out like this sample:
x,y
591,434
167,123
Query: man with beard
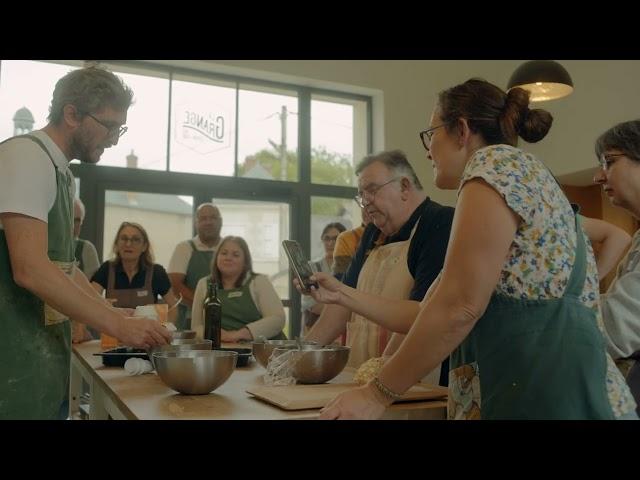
x,y
40,286
191,259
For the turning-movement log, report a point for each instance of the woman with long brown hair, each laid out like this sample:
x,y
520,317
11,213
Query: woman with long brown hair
x,y
251,308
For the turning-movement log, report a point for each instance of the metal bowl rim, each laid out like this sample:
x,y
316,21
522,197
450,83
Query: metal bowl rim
x,y
195,353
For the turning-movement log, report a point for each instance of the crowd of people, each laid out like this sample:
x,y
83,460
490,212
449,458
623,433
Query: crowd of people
x,y
497,298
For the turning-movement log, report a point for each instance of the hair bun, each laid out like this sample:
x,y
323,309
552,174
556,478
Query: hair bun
x,y
519,119
516,106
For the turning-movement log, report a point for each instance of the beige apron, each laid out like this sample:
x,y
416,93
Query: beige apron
x,y
384,273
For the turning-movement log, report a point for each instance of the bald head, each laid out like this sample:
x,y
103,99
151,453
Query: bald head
x,y
208,223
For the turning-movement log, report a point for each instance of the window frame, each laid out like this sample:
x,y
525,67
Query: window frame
x,y
95,181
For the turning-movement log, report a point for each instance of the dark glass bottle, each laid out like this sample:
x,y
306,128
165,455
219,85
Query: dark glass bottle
x,y
212,314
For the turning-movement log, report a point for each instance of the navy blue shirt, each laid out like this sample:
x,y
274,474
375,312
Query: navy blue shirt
x,y
426,250
425,258
160,283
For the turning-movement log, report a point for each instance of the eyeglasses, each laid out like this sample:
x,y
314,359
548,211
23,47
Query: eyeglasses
x,y
606,161
427,134
370,193
113,129
328,238
133,240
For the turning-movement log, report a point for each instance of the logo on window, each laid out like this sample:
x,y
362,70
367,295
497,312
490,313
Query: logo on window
x,y
202,130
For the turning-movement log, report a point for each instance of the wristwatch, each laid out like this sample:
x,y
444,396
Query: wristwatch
x,y
384,391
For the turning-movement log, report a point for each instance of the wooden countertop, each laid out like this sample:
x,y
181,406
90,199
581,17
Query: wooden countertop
x,y
146,397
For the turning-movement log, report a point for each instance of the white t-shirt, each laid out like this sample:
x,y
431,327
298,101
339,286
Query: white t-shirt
x,y
182,254
28,178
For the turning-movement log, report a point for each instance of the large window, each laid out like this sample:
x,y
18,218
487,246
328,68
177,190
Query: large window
x,y
268,135
338,139
287,152
202,127
145,143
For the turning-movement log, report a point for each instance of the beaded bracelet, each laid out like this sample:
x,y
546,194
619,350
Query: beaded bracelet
x,y
386,393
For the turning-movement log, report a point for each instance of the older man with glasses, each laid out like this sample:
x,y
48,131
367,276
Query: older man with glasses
x,y
400,254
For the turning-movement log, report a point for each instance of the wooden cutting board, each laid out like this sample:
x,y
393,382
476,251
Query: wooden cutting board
x,y
302,397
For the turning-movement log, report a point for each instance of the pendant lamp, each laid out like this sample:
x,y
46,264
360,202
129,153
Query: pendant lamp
x,y
545,79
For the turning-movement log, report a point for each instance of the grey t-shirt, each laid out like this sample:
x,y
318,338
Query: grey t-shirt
x,y
621,305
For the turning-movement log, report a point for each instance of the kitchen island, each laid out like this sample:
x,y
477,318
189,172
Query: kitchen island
x,y
119,396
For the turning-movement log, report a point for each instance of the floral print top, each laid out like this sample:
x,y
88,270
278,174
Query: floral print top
x,y
542,254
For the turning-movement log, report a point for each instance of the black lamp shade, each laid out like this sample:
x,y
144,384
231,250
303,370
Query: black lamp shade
x,y
545,79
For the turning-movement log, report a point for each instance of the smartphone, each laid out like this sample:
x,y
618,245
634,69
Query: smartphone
x,y
299,263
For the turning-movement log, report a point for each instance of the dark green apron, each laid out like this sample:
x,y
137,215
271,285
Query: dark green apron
x,y
35,340
78,253
239,309
535,359
199,267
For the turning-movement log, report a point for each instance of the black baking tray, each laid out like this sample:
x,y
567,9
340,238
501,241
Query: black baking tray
x,y
244,355
118,356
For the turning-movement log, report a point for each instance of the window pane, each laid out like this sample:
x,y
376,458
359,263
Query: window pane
x,y
263,225
325,210
268,135
144,145
26,89
202,127
166,218
338,139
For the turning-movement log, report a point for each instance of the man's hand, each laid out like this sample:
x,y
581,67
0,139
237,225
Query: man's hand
x,y
142,332
328,290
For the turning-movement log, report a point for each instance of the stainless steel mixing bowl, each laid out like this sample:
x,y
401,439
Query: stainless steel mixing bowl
x,y
316,364
195,372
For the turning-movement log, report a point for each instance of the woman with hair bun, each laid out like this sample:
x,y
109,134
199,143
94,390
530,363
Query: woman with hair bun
x,y
516,304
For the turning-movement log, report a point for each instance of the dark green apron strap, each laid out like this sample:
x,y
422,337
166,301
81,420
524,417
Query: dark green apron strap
x,y
579,271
